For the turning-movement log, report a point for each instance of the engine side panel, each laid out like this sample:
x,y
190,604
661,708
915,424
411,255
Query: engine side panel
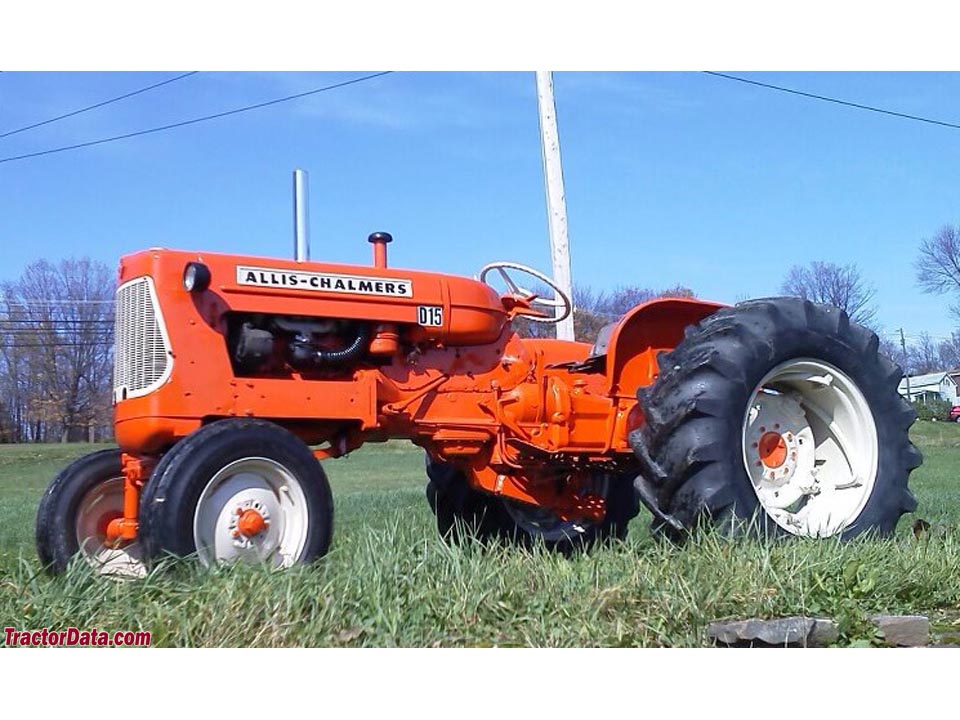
x,y
205,383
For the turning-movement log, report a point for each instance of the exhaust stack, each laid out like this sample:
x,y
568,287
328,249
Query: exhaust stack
x,y
301,216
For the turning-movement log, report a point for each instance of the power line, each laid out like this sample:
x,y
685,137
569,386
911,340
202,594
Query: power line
x,y
197,120
95,315
50,327
98,105
56,336
37,346
100,331
54,301
837,101
45,327
18,346
22,330
55,321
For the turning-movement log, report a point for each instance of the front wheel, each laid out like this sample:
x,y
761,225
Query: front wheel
x,y
238,490
74,514
780,413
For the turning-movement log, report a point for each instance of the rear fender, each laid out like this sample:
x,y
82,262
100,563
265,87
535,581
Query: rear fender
x,y
645,332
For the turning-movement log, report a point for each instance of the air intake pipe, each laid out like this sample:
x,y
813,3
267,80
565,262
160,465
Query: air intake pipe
x,y
304,354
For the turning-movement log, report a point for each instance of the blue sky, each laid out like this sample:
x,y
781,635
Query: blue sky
x,y
671,178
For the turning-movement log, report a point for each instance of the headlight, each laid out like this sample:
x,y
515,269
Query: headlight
x,y
196,277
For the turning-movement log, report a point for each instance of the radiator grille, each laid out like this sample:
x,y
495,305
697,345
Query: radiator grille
x,y
141,359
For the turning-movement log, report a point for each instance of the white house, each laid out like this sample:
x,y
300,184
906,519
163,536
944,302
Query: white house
x,y
933,386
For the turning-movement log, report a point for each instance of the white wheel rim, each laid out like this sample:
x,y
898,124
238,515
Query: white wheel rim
x,y
100,504
810,447
259,485
540,522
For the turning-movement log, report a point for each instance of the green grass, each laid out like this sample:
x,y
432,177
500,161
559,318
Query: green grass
x,y
389,581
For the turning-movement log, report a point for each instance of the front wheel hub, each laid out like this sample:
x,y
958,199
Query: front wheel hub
x,y
253,509
100,532
251,523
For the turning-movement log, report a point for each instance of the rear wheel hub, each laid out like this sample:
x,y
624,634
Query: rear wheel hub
x,y
810,447
773,449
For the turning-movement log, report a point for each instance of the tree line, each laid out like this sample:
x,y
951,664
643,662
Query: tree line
x,y
56,353
937,268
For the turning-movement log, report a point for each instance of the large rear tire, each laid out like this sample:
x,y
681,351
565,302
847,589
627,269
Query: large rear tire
x,y
781,416
238,490
460,510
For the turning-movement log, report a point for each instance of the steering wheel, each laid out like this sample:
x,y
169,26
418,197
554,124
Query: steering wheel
x,y
560,299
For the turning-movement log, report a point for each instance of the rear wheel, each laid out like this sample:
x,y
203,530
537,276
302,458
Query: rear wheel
x,y
459,508
74,514
238,490
781,413
810,447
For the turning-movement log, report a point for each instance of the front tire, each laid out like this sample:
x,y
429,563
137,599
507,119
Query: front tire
x,y
780,414
74,514
238,490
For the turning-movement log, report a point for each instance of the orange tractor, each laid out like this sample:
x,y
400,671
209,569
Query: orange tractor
x,y
236,375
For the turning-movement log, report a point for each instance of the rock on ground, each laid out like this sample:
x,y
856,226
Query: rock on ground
x,y
782,632
903,630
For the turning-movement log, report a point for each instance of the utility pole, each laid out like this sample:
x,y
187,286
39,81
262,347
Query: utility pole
x,y
903,346
556,200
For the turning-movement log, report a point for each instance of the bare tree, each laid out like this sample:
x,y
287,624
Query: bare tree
x,y
924,355
891,348
826,282
56,334
949,351
938,264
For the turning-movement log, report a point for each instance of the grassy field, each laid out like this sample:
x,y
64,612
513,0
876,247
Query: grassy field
x,y
389,581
